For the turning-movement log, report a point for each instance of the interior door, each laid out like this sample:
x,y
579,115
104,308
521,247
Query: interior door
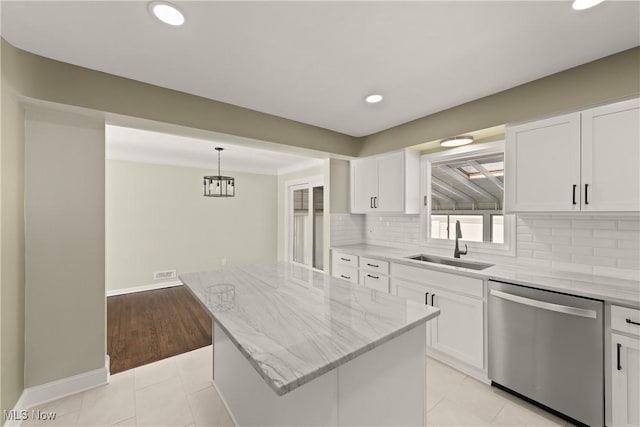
x,y
305,218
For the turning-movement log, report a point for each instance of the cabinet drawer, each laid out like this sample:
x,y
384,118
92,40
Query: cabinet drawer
x,y
625,319
374,281
346,273
374,265
340,258
450,282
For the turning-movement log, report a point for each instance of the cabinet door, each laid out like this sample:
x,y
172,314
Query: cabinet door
x,y
625,380
415,292
459,329
374,281
364,185
390,183
542,165
610,153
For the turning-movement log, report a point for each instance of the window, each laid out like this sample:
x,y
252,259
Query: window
x,y
466,184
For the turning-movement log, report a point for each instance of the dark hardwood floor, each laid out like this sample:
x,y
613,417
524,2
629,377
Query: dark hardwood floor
x,y
144,327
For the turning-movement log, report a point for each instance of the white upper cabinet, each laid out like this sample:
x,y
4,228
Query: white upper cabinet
x,y
542,165
388,183
584,161
364,184
611,157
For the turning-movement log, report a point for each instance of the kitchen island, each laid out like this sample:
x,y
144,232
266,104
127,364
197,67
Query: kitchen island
x,y
293,346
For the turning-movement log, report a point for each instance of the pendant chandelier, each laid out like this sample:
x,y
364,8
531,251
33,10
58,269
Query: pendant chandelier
x,y
219,186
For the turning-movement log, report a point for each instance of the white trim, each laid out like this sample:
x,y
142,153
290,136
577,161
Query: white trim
x,y
300,166
143,288
54,390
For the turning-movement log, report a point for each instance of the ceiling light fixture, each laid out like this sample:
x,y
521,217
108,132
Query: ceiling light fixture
x,y
166,12
374,98
585,4
456,141
218,185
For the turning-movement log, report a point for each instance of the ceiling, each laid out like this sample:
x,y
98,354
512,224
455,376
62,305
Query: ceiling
x,y
136,145
315,61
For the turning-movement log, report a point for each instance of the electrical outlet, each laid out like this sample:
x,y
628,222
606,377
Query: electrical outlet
x,y
166,274
224,261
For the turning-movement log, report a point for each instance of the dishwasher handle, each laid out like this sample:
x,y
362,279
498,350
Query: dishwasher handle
x,y
565,309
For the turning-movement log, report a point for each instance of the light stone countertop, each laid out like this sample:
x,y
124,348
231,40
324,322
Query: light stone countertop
x,y
294,324
609,289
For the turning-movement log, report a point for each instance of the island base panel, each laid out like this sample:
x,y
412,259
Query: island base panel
x,y
384,386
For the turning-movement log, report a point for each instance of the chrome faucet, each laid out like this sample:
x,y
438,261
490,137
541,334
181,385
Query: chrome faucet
x,y
457,252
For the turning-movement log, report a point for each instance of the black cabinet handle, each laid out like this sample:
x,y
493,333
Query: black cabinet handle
x,y
619,366
373,277
373,265
432,297
586,194
574,194
371,202
426,298
346,259
345,277
632,322
375,202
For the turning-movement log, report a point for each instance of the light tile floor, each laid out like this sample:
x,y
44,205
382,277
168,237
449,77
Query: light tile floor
x,y
178,392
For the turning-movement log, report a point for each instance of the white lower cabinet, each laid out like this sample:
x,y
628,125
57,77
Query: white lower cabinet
x,y
374,281
459,328
458,331
625,367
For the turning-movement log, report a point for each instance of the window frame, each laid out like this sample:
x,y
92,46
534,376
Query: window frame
x,y
508,248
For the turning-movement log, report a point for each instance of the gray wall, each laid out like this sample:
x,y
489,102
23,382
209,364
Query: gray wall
x,y
12,259
158,219
339,184
63,83
64,224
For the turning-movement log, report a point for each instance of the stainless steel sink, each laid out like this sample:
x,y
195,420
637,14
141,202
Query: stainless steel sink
x,y
450,261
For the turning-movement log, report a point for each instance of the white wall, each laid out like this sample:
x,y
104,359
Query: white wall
x,y
158,219
64,238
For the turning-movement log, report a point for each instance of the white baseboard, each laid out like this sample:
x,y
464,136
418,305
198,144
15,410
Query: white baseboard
x,y
54,390
143,288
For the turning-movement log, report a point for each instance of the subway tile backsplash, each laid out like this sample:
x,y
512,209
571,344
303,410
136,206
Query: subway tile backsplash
x,y
602,245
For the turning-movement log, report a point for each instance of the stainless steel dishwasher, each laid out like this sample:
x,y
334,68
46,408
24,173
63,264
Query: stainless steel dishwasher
x,y
549,348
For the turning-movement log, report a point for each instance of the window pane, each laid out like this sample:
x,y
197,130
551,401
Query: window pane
x,y
497,228
470,225
439,226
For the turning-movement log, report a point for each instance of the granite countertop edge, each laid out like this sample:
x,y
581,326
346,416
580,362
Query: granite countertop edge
x,y
520,275
281,388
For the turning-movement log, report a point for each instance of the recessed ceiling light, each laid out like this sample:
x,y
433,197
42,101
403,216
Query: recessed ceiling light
x,y
456,141
374,98
585,4
166,12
